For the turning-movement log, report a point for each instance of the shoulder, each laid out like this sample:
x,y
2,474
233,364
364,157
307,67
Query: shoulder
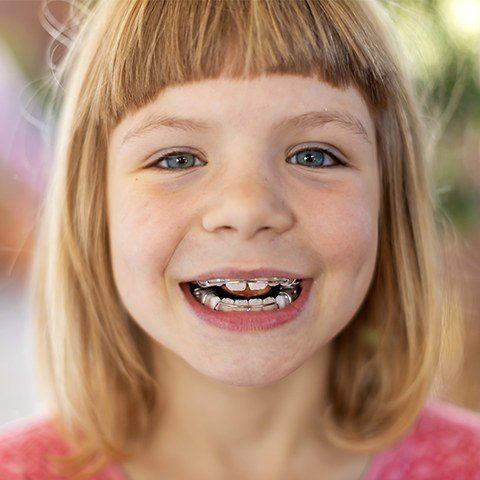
x,y
446,418
443,443
24,446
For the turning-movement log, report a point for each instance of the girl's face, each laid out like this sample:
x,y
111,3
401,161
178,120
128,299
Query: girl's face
x,y
238,197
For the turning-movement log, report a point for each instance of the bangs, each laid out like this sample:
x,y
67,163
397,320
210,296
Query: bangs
x,y
147,45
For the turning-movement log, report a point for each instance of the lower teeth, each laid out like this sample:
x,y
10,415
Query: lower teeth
x,y
207,297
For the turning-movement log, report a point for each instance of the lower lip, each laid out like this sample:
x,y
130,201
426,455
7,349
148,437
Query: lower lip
x,y
249,321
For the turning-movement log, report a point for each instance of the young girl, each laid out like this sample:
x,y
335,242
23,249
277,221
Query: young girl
x,y
238,271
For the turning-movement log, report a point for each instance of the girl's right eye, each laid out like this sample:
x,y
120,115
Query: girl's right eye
x,y
177,161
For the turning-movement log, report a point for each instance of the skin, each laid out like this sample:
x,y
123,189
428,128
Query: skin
x,y
243,404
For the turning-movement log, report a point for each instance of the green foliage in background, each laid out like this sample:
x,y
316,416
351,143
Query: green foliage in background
x,y
442,43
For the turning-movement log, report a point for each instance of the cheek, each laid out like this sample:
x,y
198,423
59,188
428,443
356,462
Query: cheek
x,y
343,232
143,234
343,225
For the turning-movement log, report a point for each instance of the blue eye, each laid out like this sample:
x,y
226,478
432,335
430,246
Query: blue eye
x,y
308,157
178,161
316,158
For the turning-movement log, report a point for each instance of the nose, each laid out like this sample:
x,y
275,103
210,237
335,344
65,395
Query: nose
x,y
247,205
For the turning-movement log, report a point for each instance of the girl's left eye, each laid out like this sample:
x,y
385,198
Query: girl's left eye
x,y
308,157
316,158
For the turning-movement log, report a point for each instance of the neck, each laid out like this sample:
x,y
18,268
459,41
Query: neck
x,y
264,431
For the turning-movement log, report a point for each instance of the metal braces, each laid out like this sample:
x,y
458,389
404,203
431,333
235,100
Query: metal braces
x,y
202,293
286,283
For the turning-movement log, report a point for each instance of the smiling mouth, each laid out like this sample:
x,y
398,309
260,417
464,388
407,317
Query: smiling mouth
x,y
219,298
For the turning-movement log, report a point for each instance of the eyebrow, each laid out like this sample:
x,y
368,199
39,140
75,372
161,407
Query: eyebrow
x,y
313,119
306,120
156,121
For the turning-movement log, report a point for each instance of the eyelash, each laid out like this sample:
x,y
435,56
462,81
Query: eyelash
x,y
340,163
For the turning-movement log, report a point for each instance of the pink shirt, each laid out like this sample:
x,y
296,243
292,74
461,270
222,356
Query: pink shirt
x,y
444,444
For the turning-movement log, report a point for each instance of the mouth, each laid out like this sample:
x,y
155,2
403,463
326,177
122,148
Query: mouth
x,y
243,296
263,304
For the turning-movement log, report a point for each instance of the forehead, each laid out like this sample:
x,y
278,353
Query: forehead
x,y
266,102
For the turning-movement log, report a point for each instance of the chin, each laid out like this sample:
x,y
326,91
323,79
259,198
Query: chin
x,y
251,375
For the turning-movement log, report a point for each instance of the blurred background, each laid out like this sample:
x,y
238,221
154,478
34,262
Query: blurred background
x,y
442,46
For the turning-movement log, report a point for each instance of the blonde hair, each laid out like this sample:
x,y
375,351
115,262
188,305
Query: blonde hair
x,y
94,362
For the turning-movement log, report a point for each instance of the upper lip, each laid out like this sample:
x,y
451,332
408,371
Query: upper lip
x,y
232,273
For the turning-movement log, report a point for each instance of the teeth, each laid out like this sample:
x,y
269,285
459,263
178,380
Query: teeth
x,y
254,284
211,300
242,303
228,304
201,294
207,296
236,286
258,285
282,300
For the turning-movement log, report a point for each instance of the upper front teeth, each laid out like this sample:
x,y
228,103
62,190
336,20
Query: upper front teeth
x,y
240,285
